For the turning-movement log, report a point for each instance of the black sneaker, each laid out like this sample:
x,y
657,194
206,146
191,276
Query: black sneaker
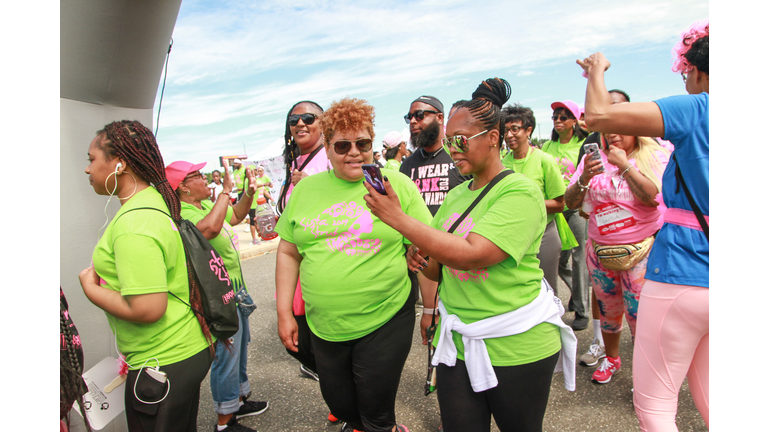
x,y
251,408
309,372
234,426
580,323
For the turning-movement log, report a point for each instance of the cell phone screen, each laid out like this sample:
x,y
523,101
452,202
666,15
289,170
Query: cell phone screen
x,y
372,175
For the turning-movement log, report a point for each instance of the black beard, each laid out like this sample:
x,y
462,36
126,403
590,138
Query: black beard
x,y
427,137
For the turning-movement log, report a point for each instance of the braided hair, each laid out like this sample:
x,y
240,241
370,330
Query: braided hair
x,y
72,387
290,153
134,143
486,104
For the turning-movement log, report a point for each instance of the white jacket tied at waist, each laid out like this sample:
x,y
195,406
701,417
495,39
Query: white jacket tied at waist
x,y
544,308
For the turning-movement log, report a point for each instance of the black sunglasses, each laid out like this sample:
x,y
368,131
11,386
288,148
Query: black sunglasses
x,y
419,114
307,118
342,146
562,118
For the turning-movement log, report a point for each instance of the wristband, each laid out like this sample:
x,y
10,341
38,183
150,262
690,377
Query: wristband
x,y
428,311
246,194
624,172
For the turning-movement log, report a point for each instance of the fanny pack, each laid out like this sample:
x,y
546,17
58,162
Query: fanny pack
x,y
624,256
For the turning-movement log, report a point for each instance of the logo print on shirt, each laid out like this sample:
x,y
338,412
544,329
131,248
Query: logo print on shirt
x,y
464,228
343,225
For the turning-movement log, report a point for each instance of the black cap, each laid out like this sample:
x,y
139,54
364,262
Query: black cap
x,y
430,100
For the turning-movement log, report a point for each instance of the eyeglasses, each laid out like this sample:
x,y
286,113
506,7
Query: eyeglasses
x,y
307,118
685,77
562,118
515,129
419,114
193,176
342,146
459,142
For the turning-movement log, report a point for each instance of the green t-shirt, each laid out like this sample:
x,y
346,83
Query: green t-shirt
x,y
226,243
392,164
512,216
542,169
354,277
566,156
142,253
261,183
239,176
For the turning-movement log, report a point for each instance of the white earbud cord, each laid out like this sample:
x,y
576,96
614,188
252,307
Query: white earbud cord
x,y
137,381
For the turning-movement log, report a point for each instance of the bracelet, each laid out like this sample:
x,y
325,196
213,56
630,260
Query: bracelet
x,y
222,193
246,194
624,172
428,311
582,188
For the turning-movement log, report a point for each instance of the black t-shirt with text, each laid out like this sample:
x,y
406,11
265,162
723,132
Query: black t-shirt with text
x,y
434,175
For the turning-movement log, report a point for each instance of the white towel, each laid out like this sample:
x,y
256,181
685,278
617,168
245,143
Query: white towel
x,y
544,308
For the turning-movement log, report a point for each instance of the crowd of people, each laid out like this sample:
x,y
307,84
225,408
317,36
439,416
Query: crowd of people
x,y
477,225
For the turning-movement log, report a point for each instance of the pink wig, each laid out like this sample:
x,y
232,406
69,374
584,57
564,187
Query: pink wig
x,y
698,30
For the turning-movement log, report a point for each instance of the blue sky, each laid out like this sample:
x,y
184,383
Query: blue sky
x,y
237,67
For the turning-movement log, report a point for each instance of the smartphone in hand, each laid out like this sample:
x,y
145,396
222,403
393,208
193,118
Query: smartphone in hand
x,y
591,151
373,177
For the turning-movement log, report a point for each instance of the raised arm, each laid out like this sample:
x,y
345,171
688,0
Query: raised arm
x,y
635,118
212,223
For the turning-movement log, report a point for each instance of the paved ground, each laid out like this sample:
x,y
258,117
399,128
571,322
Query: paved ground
x,y
297,405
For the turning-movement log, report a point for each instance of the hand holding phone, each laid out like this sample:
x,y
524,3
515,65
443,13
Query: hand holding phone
x,y
591,151
372,175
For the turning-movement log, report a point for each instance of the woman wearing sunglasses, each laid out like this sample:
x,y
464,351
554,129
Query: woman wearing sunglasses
x,y
229,379
304,155
673,318
567,138
353,275
493,358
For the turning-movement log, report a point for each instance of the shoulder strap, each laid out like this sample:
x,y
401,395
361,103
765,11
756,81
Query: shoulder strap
x,y
310,157
455,225
696,210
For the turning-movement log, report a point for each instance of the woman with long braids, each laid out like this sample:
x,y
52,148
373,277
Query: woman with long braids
x,y
139,269
72,387
304,155
672,339
501,331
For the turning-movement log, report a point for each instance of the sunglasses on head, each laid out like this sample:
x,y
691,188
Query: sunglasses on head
x,y
419,114
307,118
562,118
342,146
459,142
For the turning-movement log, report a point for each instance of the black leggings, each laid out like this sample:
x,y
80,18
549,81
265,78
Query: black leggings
x,y
178,411
359,378
518,403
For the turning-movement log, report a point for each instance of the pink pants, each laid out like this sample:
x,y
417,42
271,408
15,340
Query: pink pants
x,y
672,342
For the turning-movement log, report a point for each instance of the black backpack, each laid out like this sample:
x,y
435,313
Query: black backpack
x,y
216,289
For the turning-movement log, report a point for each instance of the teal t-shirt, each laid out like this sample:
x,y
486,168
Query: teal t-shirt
x,y
512,216
142,253
542,169
226,243
354,276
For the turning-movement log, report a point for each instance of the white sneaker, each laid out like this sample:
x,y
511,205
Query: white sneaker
x,y
595,353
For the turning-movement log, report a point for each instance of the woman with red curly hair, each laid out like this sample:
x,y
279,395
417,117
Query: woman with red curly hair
x,y
672,336
353,275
